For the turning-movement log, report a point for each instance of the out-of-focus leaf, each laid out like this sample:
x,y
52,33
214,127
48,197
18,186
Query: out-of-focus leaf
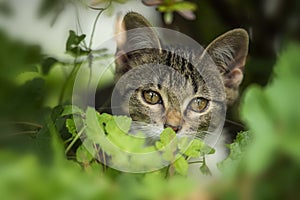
x,y
273,114
83,155
70,124
205,170
53,7
73,44
168,17
166,137
237,152
178,6
47,64
5,9
192,149
181,165
71,110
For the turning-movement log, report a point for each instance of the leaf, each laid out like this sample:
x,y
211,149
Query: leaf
x,y
70,124
83,155
121,122
73,42
193,149
6,9
103,119
168,17
167,136
47,64
56,112
71,110
205,170
183,5
178,6
181,165
206,150
237,153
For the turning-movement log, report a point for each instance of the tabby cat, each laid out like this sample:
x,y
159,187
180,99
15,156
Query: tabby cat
x,y
175,86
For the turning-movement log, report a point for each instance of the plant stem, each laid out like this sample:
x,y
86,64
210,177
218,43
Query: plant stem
x,y
195,162
96,20
74,140
66,83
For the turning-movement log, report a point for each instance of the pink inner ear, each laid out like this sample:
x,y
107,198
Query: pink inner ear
x,y
234,78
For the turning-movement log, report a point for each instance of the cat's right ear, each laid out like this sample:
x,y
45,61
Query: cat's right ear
x,y
135,33
229,52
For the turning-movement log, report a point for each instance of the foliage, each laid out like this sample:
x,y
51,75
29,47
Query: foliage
x,y
106,140
168,7
264,163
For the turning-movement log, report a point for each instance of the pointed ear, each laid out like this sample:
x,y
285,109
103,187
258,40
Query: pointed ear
x,y
229,52
137,33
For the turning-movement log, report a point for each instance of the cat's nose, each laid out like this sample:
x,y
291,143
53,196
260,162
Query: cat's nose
x,y
175,128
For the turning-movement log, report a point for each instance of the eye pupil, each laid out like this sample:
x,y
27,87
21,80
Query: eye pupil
x,y
151,97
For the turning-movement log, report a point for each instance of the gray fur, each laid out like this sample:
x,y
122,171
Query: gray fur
x,y
178,75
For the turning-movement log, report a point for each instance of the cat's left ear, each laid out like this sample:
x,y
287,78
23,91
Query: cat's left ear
x,y
229,52
134,33
137,33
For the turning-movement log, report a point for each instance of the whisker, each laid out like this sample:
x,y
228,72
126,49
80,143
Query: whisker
x,y
111,106
235,123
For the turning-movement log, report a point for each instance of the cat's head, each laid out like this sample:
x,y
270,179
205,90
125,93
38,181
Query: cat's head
x,y
162,86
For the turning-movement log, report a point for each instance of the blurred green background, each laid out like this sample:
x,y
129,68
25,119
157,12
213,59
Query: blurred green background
x,y
39,59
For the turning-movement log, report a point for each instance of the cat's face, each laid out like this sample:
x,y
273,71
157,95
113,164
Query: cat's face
x,y
176,87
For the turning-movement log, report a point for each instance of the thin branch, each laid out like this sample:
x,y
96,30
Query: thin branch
x,y
74,140
78,25
195,162
96,20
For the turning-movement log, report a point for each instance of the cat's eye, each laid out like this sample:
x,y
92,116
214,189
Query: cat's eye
x,y
151,97
198,104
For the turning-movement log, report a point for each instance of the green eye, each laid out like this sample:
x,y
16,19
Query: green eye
x,y
198,104
151,97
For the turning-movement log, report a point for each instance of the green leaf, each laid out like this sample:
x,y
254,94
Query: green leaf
x,y
168,144
73,44
205,170
167,136
181,165
178,6
237,153
70,124
206,150
47,64
168,17
71,110
183,5
83,155
192,149
103,119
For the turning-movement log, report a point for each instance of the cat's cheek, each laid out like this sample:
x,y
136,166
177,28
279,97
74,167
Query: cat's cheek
x,y
156,114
